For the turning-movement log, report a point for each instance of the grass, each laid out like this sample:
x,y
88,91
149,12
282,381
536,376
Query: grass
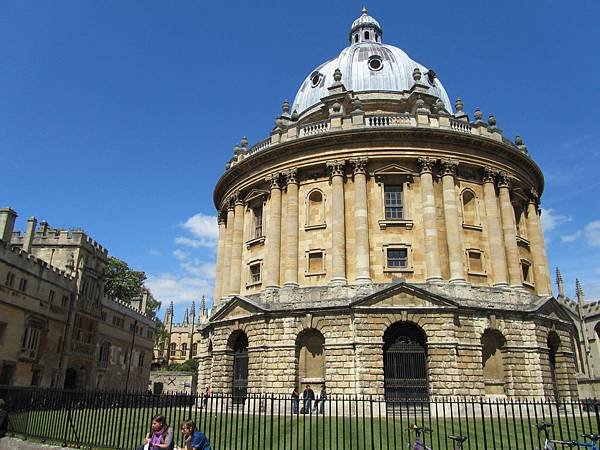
x,y
107,427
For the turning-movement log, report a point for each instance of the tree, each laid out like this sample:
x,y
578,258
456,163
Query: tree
x,y
121,281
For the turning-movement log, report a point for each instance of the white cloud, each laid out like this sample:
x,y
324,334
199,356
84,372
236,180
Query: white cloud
x,y
180,254
551,219
178,288
571,237
202,226
592,232
195,243
154,252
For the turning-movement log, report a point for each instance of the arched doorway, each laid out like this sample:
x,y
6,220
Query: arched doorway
x,y
553,342
70,378
492,345
310,359
405,362
239,345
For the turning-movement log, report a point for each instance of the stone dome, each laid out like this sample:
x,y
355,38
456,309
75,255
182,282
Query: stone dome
x,y
367,65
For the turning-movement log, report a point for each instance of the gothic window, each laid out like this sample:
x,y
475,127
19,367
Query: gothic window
x,y
104,354
173,348
194,349
141,359
51,295
469,206
184,349
10,279
31,342
23,285
393,202
315,209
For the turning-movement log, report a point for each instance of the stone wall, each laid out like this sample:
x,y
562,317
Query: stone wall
x,y
173,382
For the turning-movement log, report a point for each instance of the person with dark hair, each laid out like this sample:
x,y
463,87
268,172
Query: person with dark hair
x,y
308,397
192,439
295,400
3,418
161,437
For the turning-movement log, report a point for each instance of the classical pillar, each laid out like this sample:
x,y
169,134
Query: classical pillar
x,y
432,245
220,252
291,230
338,248
455,250
361,221
538,247
236,247
273,256
509,228
494,230
226,274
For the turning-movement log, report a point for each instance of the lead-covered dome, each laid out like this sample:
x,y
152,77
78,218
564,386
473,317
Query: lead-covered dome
x,y
367,65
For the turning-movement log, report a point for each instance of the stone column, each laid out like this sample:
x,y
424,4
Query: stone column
x,y
494,230
291,230
509,229
338,231
455,250
361,221
273,255
220,252
236,247
538,247
226,274
432,245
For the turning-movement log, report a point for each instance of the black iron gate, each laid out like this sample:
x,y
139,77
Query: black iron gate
x,y
405,370
240,375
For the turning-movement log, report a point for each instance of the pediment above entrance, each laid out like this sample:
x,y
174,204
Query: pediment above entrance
x,y
236,308
403,295
551,309
392,170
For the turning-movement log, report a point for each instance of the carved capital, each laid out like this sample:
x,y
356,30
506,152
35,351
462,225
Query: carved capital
x,y
504,179
273,181
534,197
488,174
336,168
359,165
291,176
222,218
425,164
449,167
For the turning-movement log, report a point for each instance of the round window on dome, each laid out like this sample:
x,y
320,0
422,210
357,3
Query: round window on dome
x,y
375,63
315,78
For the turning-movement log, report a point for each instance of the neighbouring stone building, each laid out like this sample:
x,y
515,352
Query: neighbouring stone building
x,y
57,328
381,243
181,340
586,316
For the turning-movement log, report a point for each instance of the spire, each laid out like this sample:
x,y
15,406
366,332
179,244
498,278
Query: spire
x,y
559,283
364,10
203,306
579,291
186,317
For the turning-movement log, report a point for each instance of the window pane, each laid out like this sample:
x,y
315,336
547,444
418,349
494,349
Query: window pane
x,y
393,202
397,258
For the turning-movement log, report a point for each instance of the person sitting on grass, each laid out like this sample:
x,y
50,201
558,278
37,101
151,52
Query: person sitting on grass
x,y
161,437
193,440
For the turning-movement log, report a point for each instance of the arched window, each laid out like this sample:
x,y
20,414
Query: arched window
x,y
310,358
194,349
405,362
315,208
356,38
553,343
238,346
184,349
469,204
104,354
492,345
173,348
367,36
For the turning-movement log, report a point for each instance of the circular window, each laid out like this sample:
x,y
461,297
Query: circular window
x,y
375,63
315,79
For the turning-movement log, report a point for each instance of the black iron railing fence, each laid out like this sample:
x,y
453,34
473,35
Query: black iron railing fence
x,y
120,420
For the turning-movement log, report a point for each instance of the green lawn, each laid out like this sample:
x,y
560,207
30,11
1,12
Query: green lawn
x,y
227,430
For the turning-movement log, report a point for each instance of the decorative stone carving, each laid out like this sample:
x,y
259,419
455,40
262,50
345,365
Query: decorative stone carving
x,y
285,107
520,145
449,167
489,174
222,217
336,168
421,106
244,142
426,164
504,180
417,74
356,105
359,165
492,120
291,176
337,75
459,106
273,181
478,115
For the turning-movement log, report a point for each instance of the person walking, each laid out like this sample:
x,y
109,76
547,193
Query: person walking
x,y
207,395
193,440
322,398
295,400
308,397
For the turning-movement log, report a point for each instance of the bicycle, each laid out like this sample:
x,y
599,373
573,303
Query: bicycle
x,y
419,443
543,427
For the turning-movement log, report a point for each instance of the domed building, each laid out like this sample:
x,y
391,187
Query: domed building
x,y
381,242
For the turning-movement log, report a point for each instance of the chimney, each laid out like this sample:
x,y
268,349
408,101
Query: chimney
x,y
7,223
29,233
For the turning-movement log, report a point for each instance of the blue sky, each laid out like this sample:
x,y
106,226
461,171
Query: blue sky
x,y
118,116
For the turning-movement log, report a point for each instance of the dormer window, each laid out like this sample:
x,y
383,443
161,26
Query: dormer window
x,y
375,63
315,78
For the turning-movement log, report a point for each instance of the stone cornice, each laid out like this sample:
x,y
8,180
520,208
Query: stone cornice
x,y
474,149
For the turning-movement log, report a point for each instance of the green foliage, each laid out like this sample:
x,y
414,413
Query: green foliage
x,y
191,365
152,307
121,281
